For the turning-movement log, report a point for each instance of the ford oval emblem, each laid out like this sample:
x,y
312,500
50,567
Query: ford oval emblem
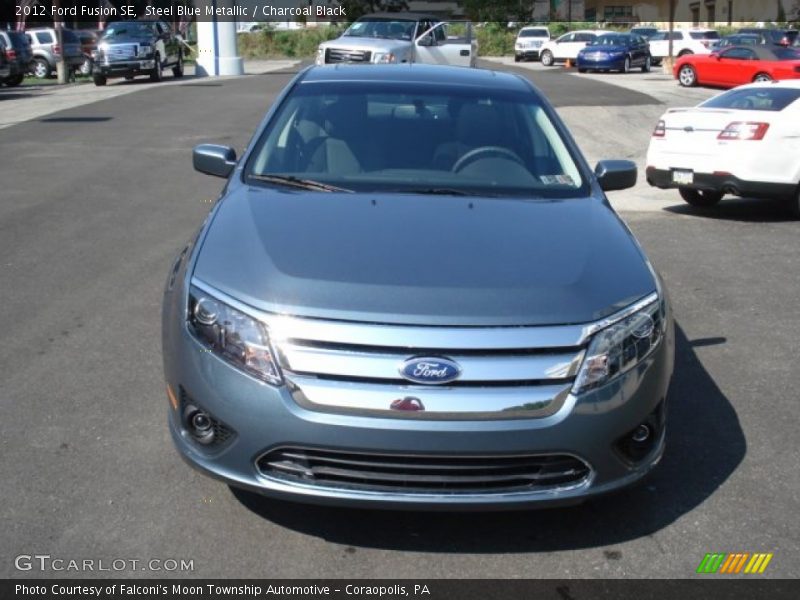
x,y
430,370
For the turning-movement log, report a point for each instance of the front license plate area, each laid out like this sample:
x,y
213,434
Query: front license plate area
x,y
682,177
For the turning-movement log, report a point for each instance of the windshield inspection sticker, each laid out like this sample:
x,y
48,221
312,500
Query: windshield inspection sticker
x,y
556,180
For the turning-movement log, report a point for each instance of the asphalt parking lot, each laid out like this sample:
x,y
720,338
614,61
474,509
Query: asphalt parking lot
x,y
96,201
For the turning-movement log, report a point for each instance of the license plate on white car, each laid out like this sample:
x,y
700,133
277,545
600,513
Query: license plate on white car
x,y
682,177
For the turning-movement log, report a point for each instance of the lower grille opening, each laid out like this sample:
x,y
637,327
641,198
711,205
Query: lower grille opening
x,y
423,474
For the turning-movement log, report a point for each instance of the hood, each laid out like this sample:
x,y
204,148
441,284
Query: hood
x,y
422,260
365,43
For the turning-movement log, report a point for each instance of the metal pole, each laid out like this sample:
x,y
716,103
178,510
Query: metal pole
x,y
61,66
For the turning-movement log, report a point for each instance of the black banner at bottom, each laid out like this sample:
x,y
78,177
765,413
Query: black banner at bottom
x,y
388,589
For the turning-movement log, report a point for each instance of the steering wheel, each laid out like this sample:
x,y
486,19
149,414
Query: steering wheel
x,y
472,155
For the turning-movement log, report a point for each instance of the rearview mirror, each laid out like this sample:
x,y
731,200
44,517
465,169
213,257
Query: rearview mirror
x,y
615,174
212,159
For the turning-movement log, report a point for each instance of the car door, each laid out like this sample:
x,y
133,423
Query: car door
x,y
562,45
732,66
580,42
446,43
5,68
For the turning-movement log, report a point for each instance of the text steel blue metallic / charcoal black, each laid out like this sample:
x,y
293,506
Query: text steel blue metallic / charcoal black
x,y
413,293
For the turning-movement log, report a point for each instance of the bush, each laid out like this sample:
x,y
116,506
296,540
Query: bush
x,y
295,43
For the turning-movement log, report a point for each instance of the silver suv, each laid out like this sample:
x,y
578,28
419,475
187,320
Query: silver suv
x,y
47,52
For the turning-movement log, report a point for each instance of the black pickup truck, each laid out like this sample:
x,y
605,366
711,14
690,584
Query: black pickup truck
x,y
131,48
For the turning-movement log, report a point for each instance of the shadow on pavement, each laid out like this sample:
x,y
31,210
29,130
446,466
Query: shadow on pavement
x,y
705,444
750,210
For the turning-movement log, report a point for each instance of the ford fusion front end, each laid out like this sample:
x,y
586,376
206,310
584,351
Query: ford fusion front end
x,y
463,322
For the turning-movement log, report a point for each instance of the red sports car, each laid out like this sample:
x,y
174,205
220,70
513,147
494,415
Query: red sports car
x,y
738,65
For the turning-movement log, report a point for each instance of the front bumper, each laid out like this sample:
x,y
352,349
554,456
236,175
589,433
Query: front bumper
x,y
527,53
261,418
123,68
721,182
615,63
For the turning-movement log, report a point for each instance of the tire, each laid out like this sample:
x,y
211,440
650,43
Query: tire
x,y
794,204
99,80
700,198
157,74
647,64
516,58
687,76
762,77
626,66
684,53
581,70
128,77
14,81
40,68
547,58
177,70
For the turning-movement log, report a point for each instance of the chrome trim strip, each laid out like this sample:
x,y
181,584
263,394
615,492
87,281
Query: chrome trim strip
x,y
277,484
380,365
542,402
285,327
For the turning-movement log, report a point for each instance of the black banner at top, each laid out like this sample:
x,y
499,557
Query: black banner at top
x,y
686,12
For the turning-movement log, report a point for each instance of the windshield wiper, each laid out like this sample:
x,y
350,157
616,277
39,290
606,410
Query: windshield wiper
x,y
292,181
439,191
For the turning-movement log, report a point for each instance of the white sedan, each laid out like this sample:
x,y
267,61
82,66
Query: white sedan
x,y
744,142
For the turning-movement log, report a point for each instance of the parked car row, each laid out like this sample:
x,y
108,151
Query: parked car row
x,y
123,49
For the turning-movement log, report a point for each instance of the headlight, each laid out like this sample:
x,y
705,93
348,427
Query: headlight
x,y
233,336
621,346
144,49
383,57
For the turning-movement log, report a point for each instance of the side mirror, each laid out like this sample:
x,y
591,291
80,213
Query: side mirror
x,y
215,160
426,40
615,174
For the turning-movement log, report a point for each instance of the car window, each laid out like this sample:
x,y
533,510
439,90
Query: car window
x,y
786,53
772,99
469,139
585,37
611,39
704,35
385,29
567,37
533,33
738,54
44,37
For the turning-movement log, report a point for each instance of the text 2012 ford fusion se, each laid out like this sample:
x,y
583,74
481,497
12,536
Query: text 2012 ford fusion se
x,y
414,293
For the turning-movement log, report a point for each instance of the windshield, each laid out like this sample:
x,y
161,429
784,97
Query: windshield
x,y
773,99
129,29
417,138
611,40
533,33
384,29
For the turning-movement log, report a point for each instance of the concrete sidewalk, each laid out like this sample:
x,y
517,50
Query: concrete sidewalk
x,y
28,102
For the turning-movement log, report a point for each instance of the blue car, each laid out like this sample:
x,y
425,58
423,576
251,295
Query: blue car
x,y
615,52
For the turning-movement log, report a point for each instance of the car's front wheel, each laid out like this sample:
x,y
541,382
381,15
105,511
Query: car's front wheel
x,y
99,80
646,65
687,76
794,203
762,78
701,198
157,74
626,66
547,58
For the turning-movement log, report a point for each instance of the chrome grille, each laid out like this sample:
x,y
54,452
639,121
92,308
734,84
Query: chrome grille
x,y
121,51
341,55
423,474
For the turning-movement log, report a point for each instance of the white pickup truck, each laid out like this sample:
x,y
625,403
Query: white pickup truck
x,y
402,37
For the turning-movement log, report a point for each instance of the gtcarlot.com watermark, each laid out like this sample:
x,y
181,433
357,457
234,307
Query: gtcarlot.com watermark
x,y
46,562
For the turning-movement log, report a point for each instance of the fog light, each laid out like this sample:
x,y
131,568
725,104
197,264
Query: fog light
x,y
199,425
641,434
